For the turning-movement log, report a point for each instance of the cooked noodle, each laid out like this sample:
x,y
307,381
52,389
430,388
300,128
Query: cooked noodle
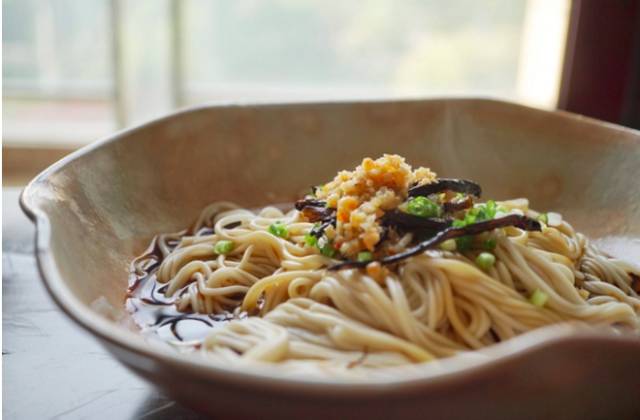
x,y
433,305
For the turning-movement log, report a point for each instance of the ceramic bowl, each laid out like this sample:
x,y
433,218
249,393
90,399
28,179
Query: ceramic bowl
x,y
99,207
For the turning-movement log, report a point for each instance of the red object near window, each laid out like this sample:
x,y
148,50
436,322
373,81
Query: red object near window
x,y
601,76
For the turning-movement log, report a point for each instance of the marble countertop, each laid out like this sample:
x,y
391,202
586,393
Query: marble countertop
x,y
52,368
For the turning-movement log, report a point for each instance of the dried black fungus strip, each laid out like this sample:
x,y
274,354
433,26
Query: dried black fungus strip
x,y
447,184
314,210
309,202
519,221
383,236
316,214
318,231
457,204
408,221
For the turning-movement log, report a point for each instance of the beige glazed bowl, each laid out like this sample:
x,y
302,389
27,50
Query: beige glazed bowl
x,y
98,208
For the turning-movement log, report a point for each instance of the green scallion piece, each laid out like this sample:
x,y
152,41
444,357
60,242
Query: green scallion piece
x,y
485,260
364,256
279,229
328,250
543,218
490,209
223,247
310,240
458,223
464,243
489,244
538,298
423,207
448,245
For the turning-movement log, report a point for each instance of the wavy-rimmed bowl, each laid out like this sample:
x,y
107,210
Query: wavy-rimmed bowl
x,y
99,207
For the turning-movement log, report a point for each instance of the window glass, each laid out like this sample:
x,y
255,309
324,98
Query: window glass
x,y
56,70
74,71
287,48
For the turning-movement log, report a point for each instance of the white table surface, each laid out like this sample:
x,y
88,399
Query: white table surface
x,y
50,367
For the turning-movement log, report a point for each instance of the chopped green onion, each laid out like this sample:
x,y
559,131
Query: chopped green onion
x,y
423,207
489,244
279,229
543,218
471,216
480,213
539,298
364,256
223,247
464,243
310,240
485,260
486,211
448,245
459,223
491,209
328,250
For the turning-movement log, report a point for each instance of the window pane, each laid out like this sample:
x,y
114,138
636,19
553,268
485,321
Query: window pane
x,y
279,49
59,59
56,72
59,46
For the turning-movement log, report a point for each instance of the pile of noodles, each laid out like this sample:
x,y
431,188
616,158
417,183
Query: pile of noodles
x,y
434,305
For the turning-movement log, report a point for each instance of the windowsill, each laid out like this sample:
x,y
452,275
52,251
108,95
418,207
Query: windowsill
x,y
55,124
21,163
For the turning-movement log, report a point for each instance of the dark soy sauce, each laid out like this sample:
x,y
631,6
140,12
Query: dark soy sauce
x,y
155,313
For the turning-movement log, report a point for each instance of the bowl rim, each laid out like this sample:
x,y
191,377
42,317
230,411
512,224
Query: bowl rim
x,y
445,372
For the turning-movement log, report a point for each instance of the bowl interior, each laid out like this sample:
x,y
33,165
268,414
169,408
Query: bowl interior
x,y
106,202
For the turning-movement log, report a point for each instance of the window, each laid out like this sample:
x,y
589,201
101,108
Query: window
x,y
74,71
57,71
411,48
